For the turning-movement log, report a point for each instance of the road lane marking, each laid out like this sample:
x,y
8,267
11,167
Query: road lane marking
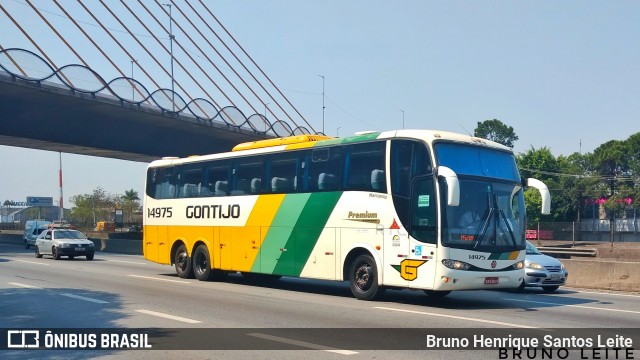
x,y
577,306
302,344
85,298
607,293
458,317
159,279
24,285
126,262
32,262
167,316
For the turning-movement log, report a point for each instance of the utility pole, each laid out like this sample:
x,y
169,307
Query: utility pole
x,y
173,100
61,197
402,119
322,103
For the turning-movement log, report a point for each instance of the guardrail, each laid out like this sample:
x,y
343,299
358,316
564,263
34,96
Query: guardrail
x,y
568,251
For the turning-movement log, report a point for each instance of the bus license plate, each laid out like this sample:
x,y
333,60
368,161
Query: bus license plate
x,y
491,281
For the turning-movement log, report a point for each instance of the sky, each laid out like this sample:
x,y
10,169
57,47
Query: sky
x,y
564,74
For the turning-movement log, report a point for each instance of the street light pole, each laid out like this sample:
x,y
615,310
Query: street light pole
x,y
173,100
322,102
338,131
133,95
402,119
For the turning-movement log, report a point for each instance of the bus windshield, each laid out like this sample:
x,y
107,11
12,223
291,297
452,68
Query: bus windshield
x,y
490,217
478,161
491,213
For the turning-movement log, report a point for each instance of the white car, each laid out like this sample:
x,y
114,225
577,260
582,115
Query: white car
x,y
64,242
543,270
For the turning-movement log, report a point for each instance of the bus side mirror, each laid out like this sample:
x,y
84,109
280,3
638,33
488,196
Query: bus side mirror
x,y
453,185
544,193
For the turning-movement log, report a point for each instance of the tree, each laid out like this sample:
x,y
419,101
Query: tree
x,y
130,203
90,208
496,130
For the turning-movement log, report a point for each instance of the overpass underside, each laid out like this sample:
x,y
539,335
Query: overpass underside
x,y
48,117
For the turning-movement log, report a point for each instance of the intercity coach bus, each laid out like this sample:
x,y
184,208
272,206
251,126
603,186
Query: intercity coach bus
x,y
413,209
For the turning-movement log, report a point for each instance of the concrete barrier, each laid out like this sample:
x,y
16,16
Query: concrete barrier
x,y
608,275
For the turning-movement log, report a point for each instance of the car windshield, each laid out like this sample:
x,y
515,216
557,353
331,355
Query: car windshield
x,y
68,234
532,250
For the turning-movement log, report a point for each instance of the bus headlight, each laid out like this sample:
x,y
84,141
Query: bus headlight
x,y
517,266
455,264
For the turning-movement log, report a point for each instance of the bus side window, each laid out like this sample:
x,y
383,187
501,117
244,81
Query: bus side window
x,y
423,209
364,167
324,169
282,172
247,169
217,176
161,183
190,180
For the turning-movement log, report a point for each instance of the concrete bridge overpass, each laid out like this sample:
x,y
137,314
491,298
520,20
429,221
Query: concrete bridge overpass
x,y
47,116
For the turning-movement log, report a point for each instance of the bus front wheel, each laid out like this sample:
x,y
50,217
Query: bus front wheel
x,y
182,262
202,263
363,278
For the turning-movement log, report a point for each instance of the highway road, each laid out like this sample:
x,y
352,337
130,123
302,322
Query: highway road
x,y
126,291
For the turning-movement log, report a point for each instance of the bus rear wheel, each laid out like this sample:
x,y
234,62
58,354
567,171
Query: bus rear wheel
x,y
202,263
363,278
182,261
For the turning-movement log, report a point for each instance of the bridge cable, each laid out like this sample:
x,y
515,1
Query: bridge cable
x,y
153,57
55,67
250,58
96,45
229,65
213,64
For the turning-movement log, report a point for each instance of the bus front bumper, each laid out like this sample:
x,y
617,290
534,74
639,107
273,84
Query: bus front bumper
x,y
478,280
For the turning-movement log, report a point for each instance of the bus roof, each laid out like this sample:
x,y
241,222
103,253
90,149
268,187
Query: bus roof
x,y
308,141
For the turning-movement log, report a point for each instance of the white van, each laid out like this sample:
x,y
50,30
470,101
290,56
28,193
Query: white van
x,y
33,228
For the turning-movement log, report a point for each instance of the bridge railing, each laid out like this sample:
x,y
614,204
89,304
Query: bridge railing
x,y
28,66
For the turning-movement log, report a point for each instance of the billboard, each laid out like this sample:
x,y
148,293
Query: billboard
x,y
39,201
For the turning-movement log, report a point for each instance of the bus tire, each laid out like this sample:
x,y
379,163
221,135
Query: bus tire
x,y
363,278
202,263
183,264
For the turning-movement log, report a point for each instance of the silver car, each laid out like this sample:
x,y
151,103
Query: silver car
x,y
64,242
543,270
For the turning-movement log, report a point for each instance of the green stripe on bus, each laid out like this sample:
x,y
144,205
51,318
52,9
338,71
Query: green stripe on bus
x,y
306,232
349,139
274,244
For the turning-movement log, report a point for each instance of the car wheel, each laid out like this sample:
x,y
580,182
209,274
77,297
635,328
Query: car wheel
x,y
521,287
202,263
90,256
363,278
55,253
38,255
26,244
550,288
182,261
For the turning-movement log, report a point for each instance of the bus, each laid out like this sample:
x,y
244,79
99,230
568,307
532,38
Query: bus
x,y
377,209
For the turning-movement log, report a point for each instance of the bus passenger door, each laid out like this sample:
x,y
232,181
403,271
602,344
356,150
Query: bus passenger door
x,y
420,269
